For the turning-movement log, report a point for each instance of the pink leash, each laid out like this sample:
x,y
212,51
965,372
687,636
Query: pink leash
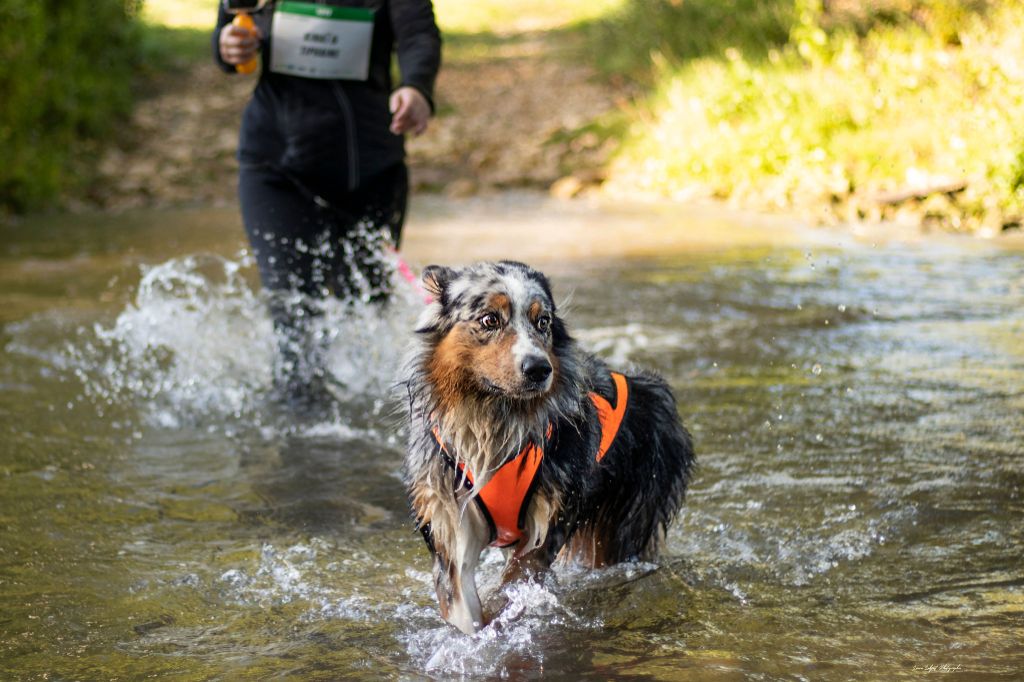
x,y
409,276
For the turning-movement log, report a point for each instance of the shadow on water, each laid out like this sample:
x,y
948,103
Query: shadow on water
x,y
856,406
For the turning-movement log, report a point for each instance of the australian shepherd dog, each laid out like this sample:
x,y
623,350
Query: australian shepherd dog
x,y
519,439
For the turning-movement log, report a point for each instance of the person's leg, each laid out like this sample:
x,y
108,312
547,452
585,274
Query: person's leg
x,y
287,231
370,220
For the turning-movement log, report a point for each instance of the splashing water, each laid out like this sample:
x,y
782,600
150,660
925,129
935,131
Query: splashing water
x,y
196,343
303,575
533,609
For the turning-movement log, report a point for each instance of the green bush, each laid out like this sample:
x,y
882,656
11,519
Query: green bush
x,y
65,77
826,105
643,32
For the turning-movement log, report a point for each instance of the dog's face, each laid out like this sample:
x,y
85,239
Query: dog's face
x,y
494,331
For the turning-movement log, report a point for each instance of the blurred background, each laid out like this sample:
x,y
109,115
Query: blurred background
x,y
835,110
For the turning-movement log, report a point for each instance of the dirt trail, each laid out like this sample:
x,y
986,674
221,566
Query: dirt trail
x,y
505,119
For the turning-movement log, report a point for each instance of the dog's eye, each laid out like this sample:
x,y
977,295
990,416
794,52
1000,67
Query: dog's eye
x,y
543,323
489,321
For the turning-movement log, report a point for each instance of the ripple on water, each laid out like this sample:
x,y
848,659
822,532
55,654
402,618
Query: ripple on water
x,y
891,543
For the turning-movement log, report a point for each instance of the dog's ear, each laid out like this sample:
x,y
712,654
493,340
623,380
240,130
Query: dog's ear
x,y
435,280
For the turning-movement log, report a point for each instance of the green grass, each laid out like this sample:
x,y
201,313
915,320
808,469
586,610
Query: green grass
x,y
638,37
829,112
194,14
503,17
175,33
64,86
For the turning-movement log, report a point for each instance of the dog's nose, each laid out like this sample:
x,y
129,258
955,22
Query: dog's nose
x,y
537,369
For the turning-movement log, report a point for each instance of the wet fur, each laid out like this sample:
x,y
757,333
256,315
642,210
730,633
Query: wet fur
x,y
467,382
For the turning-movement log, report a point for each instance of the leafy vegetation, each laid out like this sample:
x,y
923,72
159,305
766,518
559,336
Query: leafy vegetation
x,y
71,70
65,78
903,109
502,17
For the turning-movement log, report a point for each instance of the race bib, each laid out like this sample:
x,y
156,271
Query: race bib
x,y
321,41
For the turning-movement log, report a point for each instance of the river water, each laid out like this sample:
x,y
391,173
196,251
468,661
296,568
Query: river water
x,y
857,409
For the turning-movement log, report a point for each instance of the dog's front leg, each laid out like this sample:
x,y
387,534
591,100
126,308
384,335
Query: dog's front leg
x,y
455,572
529,566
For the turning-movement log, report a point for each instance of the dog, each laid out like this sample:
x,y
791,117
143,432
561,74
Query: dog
x,y
519,439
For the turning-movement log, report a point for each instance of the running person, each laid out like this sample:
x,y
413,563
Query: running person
x,y
322,179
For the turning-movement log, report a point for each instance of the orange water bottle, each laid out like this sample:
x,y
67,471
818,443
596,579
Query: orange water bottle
x,y
243,20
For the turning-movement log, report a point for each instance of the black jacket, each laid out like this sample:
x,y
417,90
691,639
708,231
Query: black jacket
x,y
333,134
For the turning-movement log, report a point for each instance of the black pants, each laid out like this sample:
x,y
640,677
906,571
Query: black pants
x,y
309,247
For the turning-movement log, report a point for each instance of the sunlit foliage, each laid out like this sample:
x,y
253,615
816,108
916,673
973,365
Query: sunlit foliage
x,y
849,104
65,72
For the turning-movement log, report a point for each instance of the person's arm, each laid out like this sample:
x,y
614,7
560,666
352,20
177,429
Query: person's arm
x,y
418,44
233,45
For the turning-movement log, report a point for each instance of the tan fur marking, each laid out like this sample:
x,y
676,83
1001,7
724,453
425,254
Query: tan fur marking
x,y
449,367
540,514
459,356
495,361
534,311
502,304
585,548
442,604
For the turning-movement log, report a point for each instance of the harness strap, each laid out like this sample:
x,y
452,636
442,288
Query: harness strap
x,y
506,495
611,417
504,499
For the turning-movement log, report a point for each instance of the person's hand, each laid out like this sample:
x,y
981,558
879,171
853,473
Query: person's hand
x,y
409,111
238,45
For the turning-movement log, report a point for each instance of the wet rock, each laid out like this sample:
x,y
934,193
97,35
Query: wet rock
x,y
152,625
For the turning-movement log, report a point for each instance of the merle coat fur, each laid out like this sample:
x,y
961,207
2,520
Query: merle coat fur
x,y
478,376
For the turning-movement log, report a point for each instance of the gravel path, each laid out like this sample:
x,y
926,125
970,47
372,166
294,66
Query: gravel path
x,y
510,110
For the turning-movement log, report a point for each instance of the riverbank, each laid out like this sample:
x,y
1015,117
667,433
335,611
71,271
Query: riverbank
x,y
811,114
844,112
510,105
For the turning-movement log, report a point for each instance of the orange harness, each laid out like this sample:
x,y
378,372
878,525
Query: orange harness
x,y
505,498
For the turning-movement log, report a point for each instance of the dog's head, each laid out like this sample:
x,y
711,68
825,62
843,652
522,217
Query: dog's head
x,y
492,331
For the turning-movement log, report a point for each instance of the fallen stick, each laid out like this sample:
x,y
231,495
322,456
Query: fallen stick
x,y
919,193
